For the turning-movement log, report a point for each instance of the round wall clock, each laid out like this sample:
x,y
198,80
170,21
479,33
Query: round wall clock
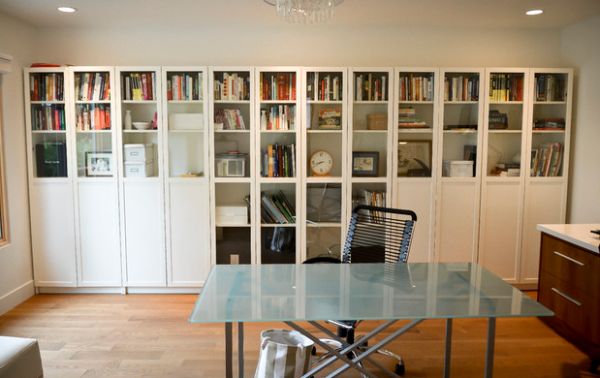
x,y
321,163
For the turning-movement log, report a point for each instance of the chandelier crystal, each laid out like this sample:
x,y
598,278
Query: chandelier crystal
x,y
305,11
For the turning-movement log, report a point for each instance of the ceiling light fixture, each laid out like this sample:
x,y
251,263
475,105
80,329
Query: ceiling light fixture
x,y
534,12
305,11
67,9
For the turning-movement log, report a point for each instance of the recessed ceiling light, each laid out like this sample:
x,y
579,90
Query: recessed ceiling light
x,y
534,12
67,9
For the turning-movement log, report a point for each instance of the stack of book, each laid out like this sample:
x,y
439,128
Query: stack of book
x,y
229,119
90,86
506,170
48,117
416,87
549,124
276,209
279,160
370,87
93,117
232,87
549,87
184,87
461,88
497,120
278,117
330,119
324,88
407,119
138,86
546,159
46,87
506,87
278,86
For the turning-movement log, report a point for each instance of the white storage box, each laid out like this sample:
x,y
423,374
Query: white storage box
x,y
138,152
139,169
458,168
186,121
231,215
230,165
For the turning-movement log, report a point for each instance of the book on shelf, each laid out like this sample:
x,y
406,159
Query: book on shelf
x,y
506,87
407,119
276,208
92,86
278,86
184,86
550,87
416,87
497,120
49,117
329,119
51,159
92,117
370,198
46,86
324,87
549,124
278,160
370,86
139,86
229,119
278,117
461,88
546,160
232,87
506,170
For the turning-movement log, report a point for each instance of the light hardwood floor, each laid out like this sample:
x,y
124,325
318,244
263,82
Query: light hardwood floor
x,y
148,335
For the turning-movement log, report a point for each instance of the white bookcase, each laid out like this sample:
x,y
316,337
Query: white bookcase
x,y
324,136
141,197
370,137
277,119
232,135
186,146
460,137
415,148
504,167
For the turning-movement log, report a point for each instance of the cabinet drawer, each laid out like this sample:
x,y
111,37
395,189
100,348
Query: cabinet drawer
x,y
571,305
569,263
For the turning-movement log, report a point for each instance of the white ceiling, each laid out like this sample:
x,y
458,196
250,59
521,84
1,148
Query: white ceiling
x,y
362,13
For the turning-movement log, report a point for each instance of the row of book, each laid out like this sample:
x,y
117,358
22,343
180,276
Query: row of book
x,y
139,86
48,117
370,87
550,87
546,160
324,88
506,87
461,88
407,119
232,87
46,86
278,86
92,86
279,160
370,198
184,87
229,119
276,208
93,117
555,124
416,87
278,117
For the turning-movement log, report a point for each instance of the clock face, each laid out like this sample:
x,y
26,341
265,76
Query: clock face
x,y
321,163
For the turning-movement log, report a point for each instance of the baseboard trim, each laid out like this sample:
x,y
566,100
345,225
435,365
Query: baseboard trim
x,y
17,296
80,290
163,290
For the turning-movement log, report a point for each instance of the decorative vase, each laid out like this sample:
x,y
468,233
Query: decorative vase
x,y
127,122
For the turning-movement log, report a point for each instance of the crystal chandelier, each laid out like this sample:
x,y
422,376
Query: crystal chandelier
x,y
305,11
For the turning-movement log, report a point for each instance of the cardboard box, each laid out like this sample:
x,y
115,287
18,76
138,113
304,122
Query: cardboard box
x,y
231,215
138,152
139,169
377,121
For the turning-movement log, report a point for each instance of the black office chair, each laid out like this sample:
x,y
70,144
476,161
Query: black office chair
x,y
375,235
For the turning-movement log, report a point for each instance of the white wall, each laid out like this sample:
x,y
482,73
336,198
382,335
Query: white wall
x,y
581,49
16,283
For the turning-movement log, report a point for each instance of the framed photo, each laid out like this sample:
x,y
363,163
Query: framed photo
x,y
98,164
414,158
365,163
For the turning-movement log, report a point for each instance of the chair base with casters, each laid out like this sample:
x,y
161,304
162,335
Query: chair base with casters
x,y
375,235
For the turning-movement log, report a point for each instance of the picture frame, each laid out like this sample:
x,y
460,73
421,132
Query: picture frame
x,y
414,158
98,164
365,163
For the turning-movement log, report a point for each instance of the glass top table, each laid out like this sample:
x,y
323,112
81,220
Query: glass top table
x,y
292,292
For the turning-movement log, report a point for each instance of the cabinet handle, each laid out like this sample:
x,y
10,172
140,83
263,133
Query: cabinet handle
x,y
567,297
569,258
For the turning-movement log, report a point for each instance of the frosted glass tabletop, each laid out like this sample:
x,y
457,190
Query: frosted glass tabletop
x,y
292,292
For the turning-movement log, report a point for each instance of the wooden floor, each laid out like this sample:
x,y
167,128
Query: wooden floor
x,y
148,335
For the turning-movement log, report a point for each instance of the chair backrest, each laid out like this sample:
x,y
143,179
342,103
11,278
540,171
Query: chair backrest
x,y
379,234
